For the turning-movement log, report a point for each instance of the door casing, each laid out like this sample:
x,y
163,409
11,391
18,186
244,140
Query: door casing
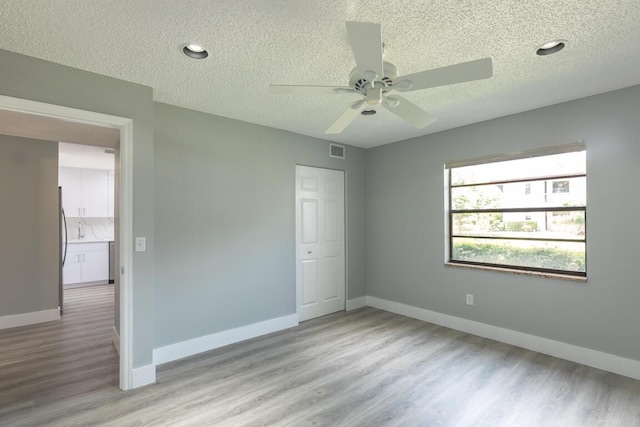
x,y
125,212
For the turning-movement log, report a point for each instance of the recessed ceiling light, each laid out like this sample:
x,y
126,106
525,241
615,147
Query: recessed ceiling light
x,y
194,51
551,47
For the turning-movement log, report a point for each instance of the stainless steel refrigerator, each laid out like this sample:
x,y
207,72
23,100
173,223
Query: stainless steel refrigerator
x,y
62,238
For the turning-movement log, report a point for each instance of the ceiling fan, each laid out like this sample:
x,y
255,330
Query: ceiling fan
x,y
374,79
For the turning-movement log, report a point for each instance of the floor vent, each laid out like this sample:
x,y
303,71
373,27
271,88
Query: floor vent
x,y
336,151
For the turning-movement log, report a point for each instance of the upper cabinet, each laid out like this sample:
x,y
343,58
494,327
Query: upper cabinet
x,y
111,199
95,193
85,192
70,179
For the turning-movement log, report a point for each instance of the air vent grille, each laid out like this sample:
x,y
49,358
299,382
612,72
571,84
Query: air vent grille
x,y
336,151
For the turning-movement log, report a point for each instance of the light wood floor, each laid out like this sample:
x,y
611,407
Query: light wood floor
x,y
62,359
362,368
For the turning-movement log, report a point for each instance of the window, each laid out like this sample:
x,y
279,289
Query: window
x,y
561,186
501,214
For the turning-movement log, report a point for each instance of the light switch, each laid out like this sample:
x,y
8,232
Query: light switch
x,y
141,244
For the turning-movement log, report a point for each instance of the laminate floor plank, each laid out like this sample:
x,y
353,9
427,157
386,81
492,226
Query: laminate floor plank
x,y
366,367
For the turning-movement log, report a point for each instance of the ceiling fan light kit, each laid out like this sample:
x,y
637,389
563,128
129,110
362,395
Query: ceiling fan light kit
x,y
373,78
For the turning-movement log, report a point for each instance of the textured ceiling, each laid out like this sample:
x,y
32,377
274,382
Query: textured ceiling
x,y
256,43
84,156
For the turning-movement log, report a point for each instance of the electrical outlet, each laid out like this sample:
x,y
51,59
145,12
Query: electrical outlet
x,y
469,299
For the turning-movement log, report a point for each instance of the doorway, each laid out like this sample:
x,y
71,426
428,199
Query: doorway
x,y
320,242
86,180
123,228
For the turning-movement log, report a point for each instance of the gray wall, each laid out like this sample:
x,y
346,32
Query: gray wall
x,y
224,231
28,225
405,226
34,79
225,221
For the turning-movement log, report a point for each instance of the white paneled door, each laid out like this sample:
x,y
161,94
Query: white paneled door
x,y
320,241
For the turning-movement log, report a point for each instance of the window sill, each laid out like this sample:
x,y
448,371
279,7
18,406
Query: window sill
x,y
520,272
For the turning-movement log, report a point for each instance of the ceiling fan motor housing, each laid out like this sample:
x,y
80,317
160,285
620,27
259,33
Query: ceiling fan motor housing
x,y
359,83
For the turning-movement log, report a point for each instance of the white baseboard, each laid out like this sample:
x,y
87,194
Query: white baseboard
x,y
24,319
143,375
115,338
355,303
586,356
209,342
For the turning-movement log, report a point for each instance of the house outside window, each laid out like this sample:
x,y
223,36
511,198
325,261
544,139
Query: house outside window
x,y
561,186
502,214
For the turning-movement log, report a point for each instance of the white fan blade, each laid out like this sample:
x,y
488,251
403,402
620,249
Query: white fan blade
x,y
366,42
458,73
408,112
309,90
346,118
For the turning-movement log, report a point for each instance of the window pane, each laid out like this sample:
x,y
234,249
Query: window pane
x,y
566,256
527,225
534,194
556,164
560,186
538,222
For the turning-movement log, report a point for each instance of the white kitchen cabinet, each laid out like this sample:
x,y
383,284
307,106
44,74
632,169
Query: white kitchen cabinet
x,y
95,193
95,265
86,262
70,179
111,198
72,269
85,192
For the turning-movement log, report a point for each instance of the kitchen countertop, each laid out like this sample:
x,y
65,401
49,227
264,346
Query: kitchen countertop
x,y
89,241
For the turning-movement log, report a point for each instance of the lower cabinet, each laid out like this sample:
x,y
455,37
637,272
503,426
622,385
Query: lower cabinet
x,y
86,262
